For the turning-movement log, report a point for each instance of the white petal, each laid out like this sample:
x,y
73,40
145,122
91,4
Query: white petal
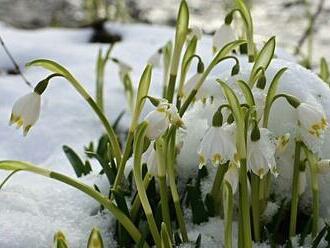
x,y
323,166
154,59
158,123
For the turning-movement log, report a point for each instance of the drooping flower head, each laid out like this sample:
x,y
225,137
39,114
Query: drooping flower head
x,y
261,153
26,111
218,145
161,118
312,119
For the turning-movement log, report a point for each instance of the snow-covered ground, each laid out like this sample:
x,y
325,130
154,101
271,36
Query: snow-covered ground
x,y
32,208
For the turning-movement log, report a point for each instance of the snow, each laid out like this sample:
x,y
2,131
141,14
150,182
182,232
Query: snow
x,y
32,208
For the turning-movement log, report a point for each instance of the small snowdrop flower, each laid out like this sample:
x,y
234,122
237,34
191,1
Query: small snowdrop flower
x,y
232,177
160,119
154,59
149,158
195,31
223,36
261,153
218,145
26,111
323,166
312,119
282,143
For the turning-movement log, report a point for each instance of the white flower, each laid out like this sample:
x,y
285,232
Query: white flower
x,y
208,89
149,158
154,59
261,154
323,166
160,119
26,111
195,31
158,122
232,177
223,36
282,143
312,119
217,146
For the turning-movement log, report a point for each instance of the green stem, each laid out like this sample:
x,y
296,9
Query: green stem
x,y
137,203
255,206
228,213
103,200
121,167
215,191
164,203
295,191
244,205
138,150
315,191
7,178
174,191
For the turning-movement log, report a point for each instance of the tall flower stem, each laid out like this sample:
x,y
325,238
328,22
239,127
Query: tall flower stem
x,y
315,190
228,213
170,158
103,200
138,150
137,203
295,190
215,191
164,202
244,204
255,185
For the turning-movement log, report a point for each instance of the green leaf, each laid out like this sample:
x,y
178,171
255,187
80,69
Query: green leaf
x,y
142,92
271,94
182,22
263,59
60,240
76,163
246,92
95,239
324,70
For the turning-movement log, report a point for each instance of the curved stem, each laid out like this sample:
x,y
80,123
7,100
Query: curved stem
x,y
7,178
120,216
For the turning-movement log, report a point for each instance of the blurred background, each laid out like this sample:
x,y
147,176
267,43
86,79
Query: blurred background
x,y
289,20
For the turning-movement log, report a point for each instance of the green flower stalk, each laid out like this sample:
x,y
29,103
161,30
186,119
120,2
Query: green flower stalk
x,y
244,202
138,150
228,213
56,68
